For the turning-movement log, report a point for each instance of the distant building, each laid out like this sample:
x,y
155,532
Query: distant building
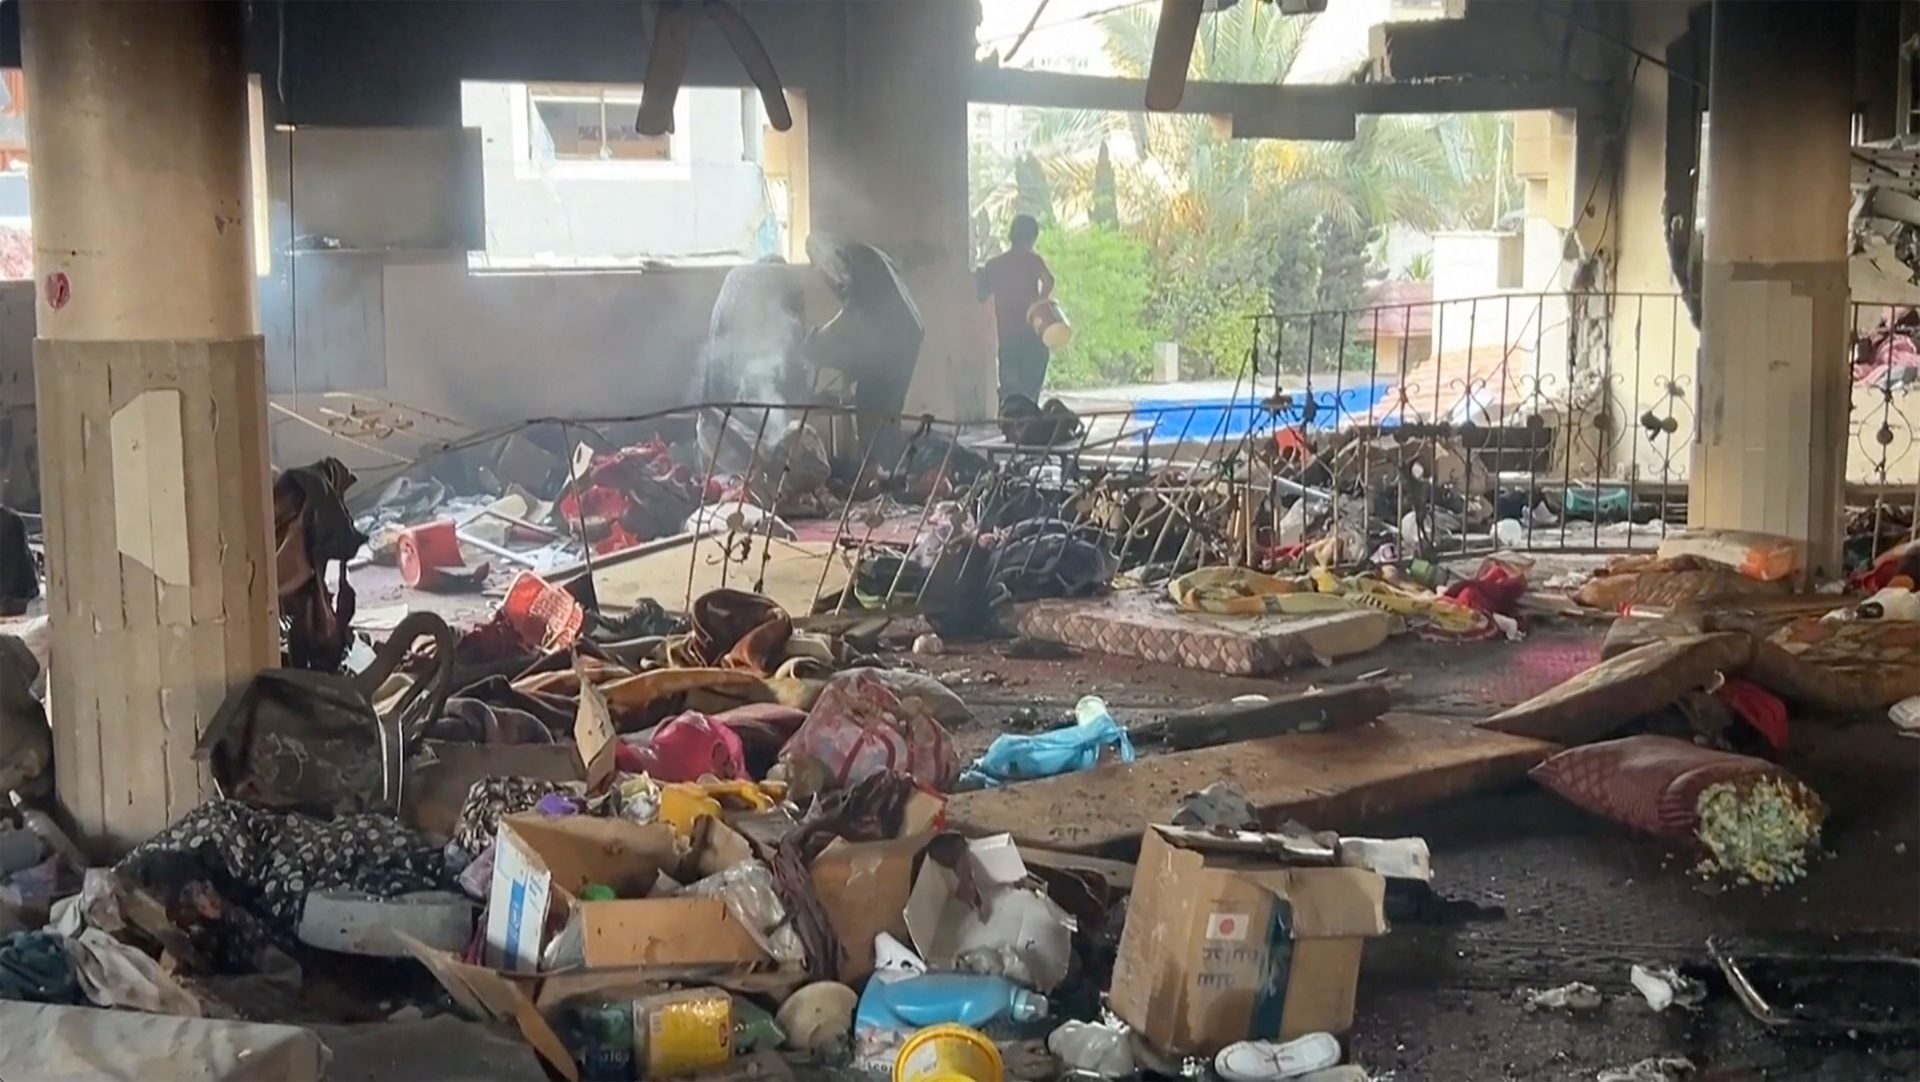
x,y
1397,324
570,182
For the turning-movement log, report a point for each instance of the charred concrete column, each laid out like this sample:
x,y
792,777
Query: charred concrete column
x,y
151,396
1772,446
889,168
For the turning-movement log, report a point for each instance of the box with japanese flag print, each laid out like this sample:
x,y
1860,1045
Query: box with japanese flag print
x,y
1222,944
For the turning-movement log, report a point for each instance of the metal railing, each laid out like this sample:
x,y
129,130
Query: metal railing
x,y
1883,454
1537,421
1530,422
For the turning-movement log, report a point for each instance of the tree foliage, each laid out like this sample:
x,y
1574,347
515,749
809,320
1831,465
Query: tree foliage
x,y
1104,287
1187,233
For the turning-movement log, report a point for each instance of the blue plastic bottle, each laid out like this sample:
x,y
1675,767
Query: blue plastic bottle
x,y
932,998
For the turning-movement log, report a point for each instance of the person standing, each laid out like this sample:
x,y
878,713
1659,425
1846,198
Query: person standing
x,y
874,341
1015,279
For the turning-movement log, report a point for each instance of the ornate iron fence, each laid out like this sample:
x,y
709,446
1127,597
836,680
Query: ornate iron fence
x,y
1534,422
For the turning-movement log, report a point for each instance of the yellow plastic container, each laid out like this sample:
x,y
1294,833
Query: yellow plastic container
x,y
682,1032
1050,323
948,1053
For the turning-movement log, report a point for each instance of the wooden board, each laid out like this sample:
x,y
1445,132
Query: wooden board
x,y
1330,780
1319,709
792,572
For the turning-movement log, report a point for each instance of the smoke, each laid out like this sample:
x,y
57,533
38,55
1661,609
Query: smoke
x,y
754,355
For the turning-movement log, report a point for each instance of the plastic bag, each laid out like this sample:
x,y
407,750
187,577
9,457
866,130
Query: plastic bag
x,y
638,799
685,748
747,888
1100,1048
568,950
1013,757
859,726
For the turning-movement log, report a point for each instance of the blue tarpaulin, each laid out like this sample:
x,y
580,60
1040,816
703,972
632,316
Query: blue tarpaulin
x,y
1202,418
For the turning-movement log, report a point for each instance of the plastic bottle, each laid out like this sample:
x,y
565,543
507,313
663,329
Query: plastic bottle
x,y
49,831
930,999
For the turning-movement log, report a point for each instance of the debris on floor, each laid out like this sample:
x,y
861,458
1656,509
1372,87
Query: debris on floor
x,y
1665,986
1575,998
1651,1069
716,787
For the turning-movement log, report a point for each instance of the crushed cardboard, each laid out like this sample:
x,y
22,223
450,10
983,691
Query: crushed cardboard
x,y
1222,946
984,907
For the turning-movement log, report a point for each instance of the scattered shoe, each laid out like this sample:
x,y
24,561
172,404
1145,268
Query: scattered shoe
x,y
1264,1061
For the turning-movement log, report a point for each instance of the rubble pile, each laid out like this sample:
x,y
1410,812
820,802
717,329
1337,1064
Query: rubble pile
x,y
742,840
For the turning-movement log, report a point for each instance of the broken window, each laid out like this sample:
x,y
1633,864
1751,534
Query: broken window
x,y
571,183
590,123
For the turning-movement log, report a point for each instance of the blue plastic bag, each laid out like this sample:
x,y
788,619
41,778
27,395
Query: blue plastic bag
x,y
1014,757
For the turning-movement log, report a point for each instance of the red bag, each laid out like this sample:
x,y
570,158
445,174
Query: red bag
x,y
1650,783
860,726
683,749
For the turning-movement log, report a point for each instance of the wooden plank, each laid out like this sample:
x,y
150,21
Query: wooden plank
x,y
1321,709
792,572
1334,780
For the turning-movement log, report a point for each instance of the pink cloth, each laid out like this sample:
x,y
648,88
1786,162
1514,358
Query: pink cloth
x,y
683,748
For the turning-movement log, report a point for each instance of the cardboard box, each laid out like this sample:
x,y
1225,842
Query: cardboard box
x,y
1223,946
526,1000
541,865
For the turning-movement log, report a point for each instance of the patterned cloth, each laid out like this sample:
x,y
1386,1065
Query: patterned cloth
x,y
236,878
493,799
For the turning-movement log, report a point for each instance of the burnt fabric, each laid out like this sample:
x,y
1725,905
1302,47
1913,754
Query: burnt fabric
x,y
26,741
733,629
1025,422
869,810
470,721
1049,558
311,741
556,712
312,528
35,968
236,877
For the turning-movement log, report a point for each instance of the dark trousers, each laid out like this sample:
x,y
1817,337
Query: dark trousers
x,y
1023,366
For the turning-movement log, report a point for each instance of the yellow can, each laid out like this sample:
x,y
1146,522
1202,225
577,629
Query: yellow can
x,y
948,1053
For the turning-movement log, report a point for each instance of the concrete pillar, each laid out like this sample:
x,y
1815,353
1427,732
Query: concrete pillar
x,y
889,168
1771,450
151,396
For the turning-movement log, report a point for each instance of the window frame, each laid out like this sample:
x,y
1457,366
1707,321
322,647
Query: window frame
x,y
677,165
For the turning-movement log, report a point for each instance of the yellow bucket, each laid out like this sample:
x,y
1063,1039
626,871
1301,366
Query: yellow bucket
x,y
948,1053
1050,323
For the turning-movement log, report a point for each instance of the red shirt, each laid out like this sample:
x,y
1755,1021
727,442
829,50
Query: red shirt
x,y
1015,280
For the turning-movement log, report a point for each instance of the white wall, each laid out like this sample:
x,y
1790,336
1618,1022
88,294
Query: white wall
x,y
710,199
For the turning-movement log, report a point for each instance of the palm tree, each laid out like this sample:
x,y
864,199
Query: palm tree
x,y
1479,154
1392,170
